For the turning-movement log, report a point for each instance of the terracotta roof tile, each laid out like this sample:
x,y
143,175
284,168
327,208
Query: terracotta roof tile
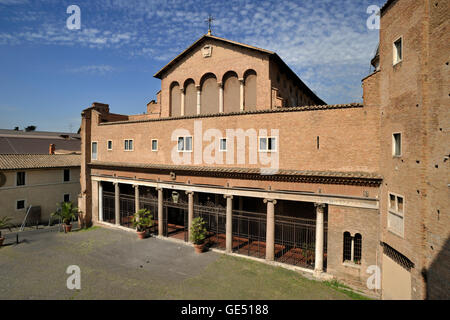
x,y
38,161
278,110
231,170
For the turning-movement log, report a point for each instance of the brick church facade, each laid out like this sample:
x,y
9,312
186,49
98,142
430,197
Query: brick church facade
x,y
237,138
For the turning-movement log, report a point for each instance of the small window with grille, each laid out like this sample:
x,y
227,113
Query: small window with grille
x,y
347,246
352,248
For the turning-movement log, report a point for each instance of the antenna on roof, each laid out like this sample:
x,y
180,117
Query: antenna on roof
x,y
209,20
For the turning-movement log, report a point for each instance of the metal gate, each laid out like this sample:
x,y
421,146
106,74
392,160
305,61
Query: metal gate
x,y
249,233
127,210
176,230
109,207
295,241
151,204
215,218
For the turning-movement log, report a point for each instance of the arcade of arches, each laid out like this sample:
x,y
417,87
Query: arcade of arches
x,y
211,96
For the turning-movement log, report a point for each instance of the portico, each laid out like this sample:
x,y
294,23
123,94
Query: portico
x,y
265,228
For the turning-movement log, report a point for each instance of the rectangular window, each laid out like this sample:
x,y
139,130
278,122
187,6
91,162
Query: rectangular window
x,y
184,144
94,151
20,178
267,144
66,175
223,144
396,214
20,204
67,197
398,51
128,146
154,145
110,145
397,144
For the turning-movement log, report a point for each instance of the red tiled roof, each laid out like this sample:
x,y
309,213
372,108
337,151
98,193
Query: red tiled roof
x,y
38,161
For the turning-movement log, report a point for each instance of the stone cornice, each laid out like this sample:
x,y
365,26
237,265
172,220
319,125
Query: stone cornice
x,y
294,176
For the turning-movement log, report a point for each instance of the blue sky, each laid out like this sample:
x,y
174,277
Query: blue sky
x,y
49,74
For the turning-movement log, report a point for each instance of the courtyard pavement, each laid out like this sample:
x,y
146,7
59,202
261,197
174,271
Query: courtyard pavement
x,y
115,264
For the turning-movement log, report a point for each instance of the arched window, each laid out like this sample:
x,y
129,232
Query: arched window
x,y
250,90
175,100
357,247
231,93
347,247
190,100
210,94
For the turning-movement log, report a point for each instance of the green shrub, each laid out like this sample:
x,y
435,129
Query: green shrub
x,y
142,220
198,231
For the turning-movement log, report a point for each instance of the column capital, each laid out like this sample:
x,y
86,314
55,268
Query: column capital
x,y
198,87
220,84
182,90
241,80
136,186
115,183
188,192
270,200
228,196
319,205
159,189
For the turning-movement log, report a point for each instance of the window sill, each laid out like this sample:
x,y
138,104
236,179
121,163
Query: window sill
x,y
351,265
396,233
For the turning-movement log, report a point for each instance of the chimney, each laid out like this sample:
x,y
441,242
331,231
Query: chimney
x,y
51,149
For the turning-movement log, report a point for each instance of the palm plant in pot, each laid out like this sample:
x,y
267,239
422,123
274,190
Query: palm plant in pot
x,y
4,224
142,220
198,234
67,213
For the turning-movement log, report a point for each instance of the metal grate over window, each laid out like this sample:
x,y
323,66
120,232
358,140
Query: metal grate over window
x,y
357,247
397,256
347,247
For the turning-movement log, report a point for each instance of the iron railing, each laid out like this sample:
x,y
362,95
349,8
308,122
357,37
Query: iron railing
x,y
127,210
109,207
215,218
249,233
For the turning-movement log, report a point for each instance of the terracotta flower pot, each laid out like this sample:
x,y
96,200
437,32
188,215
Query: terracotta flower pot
x,y
1,241
199,248
67,228
142,234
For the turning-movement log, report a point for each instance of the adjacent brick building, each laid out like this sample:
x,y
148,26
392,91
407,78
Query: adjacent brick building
x,y
237,138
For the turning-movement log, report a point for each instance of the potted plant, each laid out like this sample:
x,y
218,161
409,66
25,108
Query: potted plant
x,y
67,212
142,220
4,224
198,234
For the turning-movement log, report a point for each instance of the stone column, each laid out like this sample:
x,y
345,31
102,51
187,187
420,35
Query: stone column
x,y
229,224
318,267
117,202
199,99
100,201
270,233
160,211
220,84
136,198
183,96
241,100
190,211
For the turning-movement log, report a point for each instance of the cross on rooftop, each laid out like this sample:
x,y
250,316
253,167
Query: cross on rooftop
x,y
209,20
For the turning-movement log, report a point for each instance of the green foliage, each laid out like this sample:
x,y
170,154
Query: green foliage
x,y
142,220
4,224
67,212
336,285
198,231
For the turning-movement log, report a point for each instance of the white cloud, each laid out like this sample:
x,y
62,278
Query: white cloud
x,y
93,69
320,40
